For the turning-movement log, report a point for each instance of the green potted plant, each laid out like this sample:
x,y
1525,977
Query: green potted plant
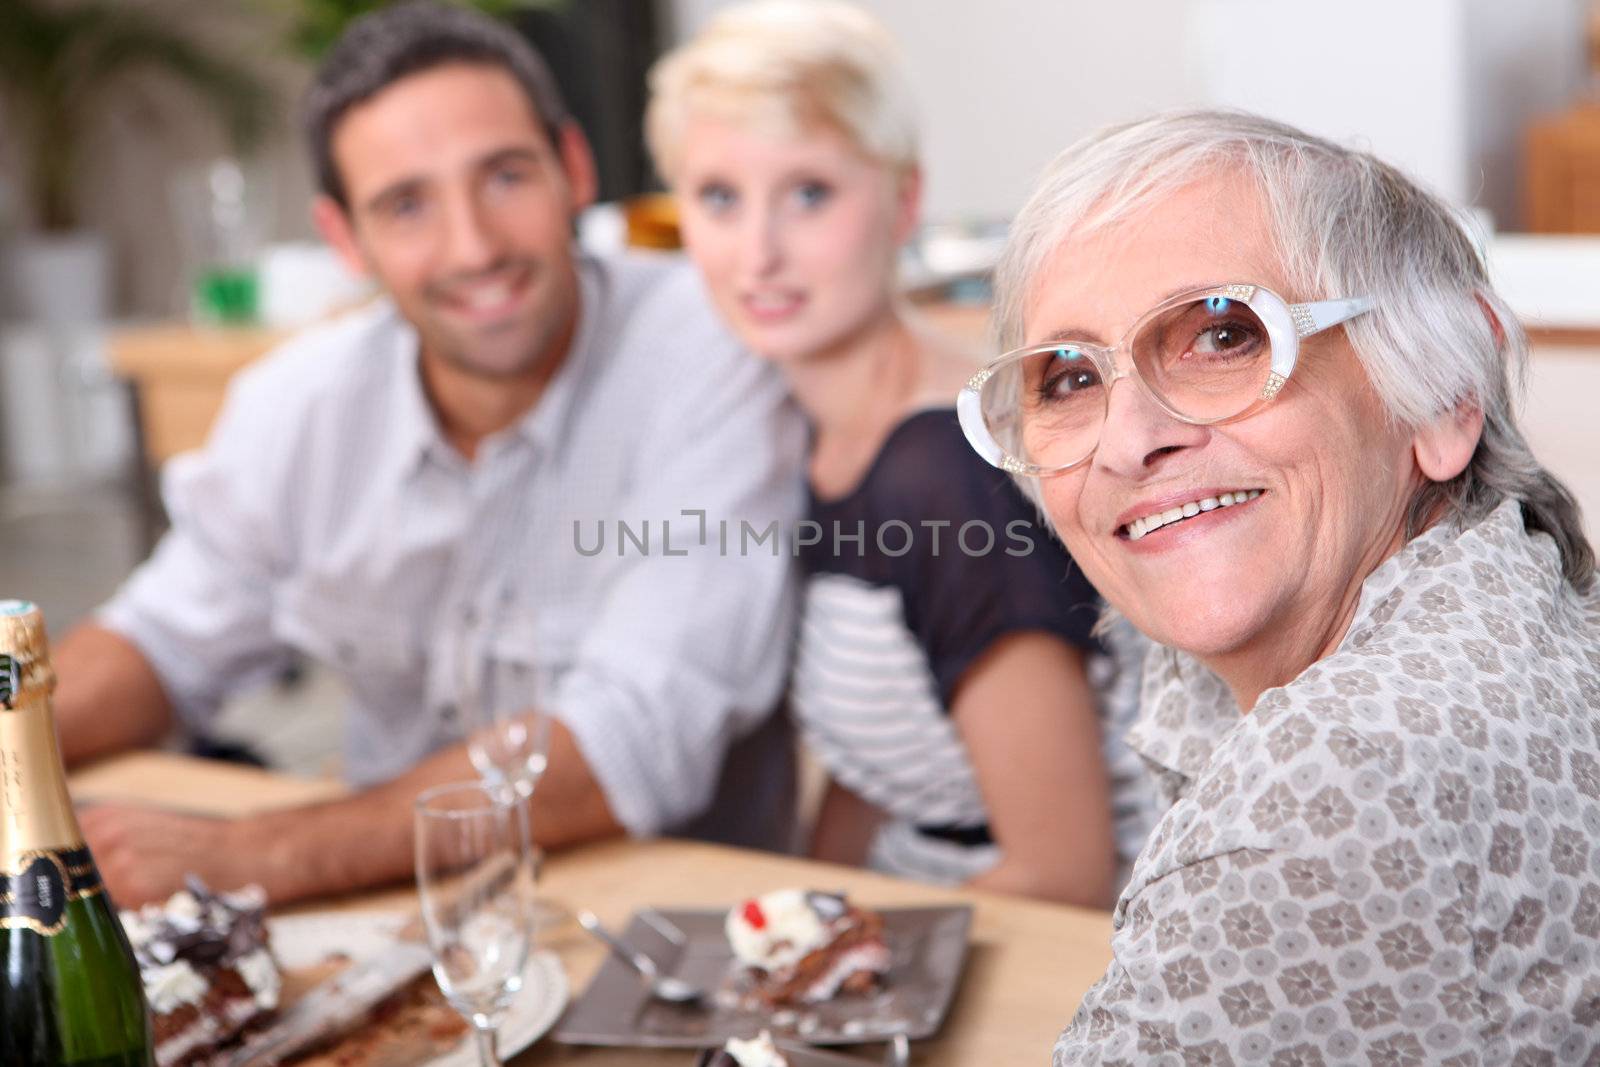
x,y
61,64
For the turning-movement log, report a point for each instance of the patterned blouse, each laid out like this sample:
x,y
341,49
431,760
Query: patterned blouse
x,y
1394,859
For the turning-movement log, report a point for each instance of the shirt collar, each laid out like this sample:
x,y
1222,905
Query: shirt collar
x,y
416,427
543,426
1186,710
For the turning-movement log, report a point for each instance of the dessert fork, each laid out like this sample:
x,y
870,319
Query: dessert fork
x,y
662,986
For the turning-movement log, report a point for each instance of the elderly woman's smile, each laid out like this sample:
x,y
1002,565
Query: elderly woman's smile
x,y
1140,522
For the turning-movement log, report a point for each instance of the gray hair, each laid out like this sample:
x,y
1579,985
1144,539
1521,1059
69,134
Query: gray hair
x,y
1345,224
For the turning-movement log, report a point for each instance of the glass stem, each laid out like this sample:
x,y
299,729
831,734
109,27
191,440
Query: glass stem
x,y
525,824
484,1032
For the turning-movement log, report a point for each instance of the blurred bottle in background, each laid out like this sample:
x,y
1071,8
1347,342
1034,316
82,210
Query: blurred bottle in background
x,y
224,214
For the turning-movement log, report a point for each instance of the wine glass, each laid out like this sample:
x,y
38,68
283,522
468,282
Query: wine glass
x,y
476,892
508,735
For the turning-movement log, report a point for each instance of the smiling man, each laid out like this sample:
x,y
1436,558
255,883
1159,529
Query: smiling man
x,y
403,485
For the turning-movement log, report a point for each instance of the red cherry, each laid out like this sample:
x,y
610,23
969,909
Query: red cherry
x,y
753,915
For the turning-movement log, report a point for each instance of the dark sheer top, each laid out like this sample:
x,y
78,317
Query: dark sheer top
x,y
969,554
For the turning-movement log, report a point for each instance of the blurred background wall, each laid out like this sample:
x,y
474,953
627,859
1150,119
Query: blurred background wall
x,y
1442,87
1446,88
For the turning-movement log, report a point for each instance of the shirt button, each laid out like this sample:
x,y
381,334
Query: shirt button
x,y
345,651
447,712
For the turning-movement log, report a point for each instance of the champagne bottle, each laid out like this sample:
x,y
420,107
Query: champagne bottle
x,y
70,993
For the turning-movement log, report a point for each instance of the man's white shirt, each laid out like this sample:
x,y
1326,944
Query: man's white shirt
x,y
327,515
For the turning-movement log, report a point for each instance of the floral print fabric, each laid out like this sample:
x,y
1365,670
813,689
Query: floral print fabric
x,y
1392,860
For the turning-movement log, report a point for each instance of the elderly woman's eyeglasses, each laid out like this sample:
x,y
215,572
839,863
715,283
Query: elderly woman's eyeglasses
x,y
1205,357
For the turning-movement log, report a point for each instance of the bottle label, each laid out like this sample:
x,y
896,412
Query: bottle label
x,y
34,895
10,680
21,675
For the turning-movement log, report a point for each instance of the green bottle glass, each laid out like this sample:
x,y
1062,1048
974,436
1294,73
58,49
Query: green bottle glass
x,y
70,993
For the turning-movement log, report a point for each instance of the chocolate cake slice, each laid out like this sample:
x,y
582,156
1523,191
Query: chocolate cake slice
x,y
208,972
803,947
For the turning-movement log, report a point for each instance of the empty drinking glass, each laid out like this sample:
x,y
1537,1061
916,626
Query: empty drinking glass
x,y
501,702
508,735
476,889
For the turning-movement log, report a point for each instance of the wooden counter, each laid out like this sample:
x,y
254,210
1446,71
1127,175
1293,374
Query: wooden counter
x,y
181,373
1562,172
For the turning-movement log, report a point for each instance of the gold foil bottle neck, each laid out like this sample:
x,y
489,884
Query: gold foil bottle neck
x,y
24,654
36,814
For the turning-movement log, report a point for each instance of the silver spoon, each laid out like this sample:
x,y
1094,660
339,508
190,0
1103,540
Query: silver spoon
x,y
662,986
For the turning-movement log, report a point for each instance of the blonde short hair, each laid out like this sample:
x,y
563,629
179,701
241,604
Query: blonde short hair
x,y
789,67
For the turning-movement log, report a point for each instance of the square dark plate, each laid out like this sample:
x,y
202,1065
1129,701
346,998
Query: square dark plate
x,y
928,948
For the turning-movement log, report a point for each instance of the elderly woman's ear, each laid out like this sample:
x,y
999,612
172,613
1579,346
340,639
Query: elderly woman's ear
x,y
1494,321
1444,446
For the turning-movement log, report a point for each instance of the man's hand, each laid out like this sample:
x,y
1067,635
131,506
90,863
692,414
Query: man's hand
x,y
354,843
144,854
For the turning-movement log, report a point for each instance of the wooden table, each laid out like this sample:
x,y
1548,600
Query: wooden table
x,y
1030,962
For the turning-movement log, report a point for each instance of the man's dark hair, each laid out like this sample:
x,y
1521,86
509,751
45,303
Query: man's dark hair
x,y
380,48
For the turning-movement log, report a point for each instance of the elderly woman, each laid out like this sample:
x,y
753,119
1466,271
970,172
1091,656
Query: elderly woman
x,y
943,669
1374,719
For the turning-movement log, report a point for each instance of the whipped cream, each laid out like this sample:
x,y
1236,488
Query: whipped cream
x,y
756,1052
250,898
178,945
260,973
183,911
776,930
137,927
173,985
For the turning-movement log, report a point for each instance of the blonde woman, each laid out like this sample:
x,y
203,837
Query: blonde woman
x,y
942,674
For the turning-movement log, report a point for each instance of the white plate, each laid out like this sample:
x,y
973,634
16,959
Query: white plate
x,y
306,940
